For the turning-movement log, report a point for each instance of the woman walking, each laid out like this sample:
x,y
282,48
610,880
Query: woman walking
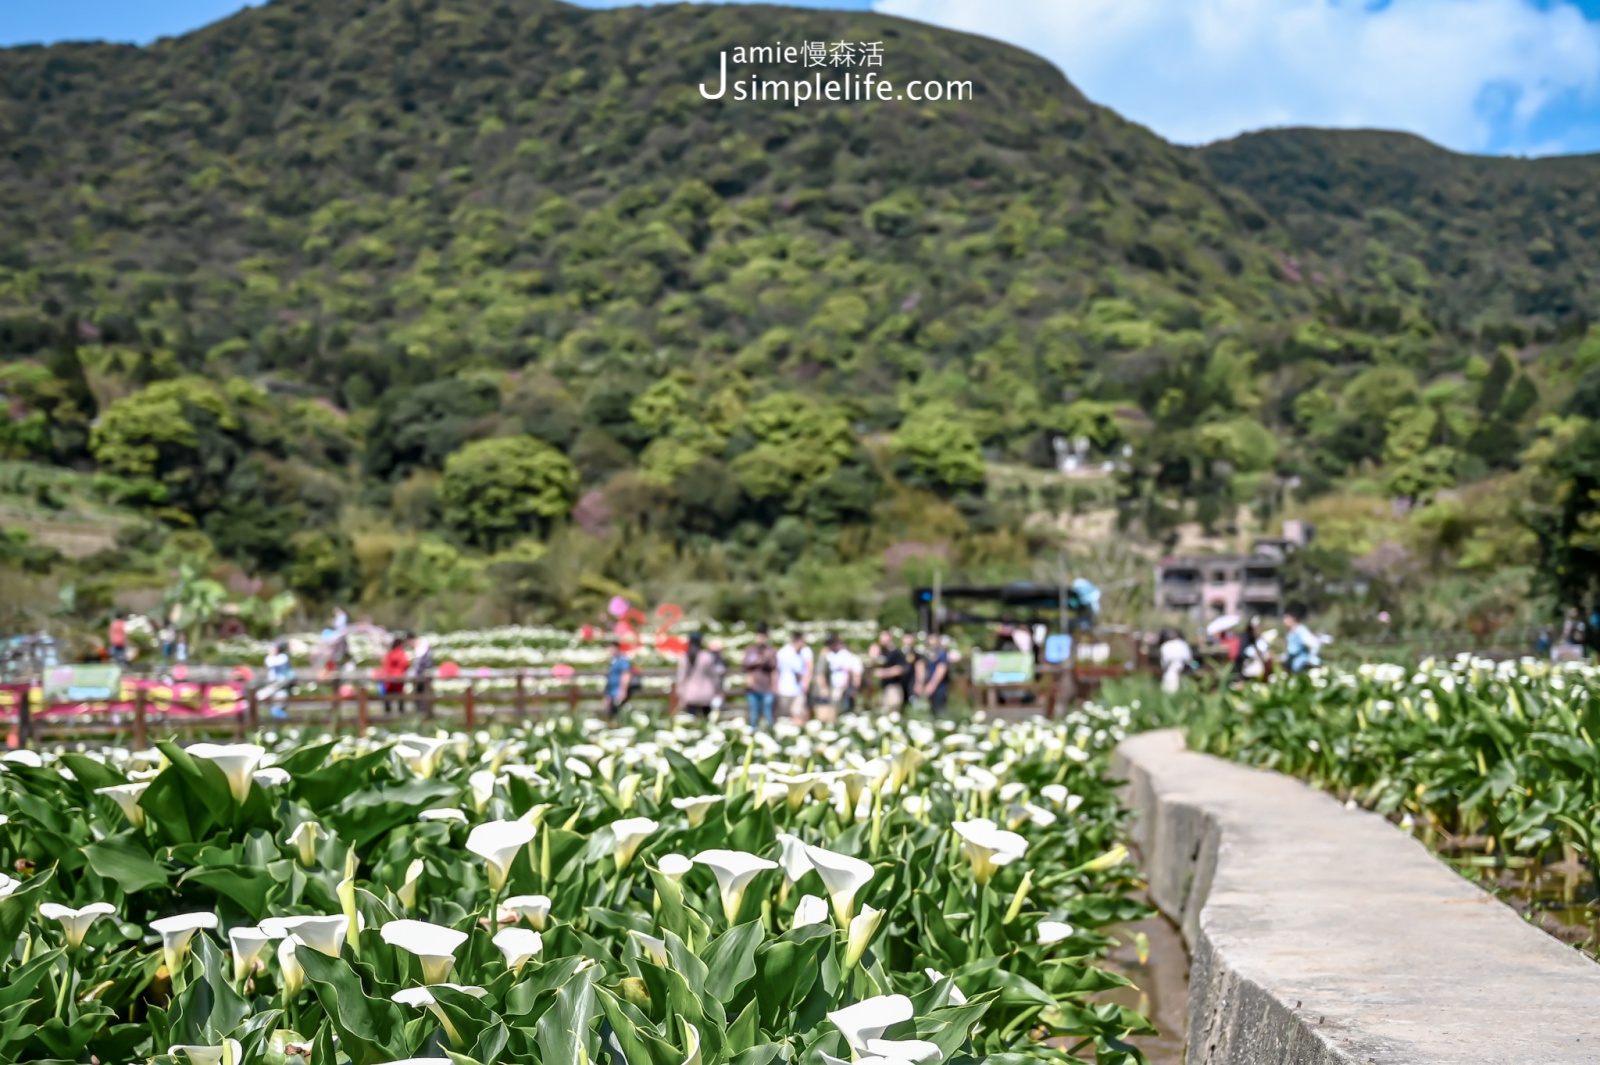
x,y
700,678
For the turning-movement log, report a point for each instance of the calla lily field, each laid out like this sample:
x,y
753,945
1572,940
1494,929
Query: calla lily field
x,y
878,890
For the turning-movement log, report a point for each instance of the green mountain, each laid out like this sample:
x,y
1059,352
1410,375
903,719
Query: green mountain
x,y
473,309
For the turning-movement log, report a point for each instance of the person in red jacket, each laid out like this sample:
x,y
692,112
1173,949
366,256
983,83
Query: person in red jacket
x,y
395,665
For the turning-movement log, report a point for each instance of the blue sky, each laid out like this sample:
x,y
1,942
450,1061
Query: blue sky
x,y
1498,76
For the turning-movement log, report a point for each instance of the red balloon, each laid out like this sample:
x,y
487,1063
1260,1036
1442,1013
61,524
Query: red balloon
x,y
586,633
671,645
449,669
243,673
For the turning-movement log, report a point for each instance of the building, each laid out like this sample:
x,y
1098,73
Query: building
x,y
1206,586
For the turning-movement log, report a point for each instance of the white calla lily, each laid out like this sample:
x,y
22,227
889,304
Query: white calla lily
x,y
629,833
323,934
126,796
652,946
270,777
422,998
811,909
434,945
75,923
292,976
481,784
444,813
675,865
734,871
176,932
535,909
956,996
794,861
519,945
1053,932
8,884
498,843
695,808
863,926
987,846
870,1018
843,876
229,1053
304,840
238,762
692,1055
407,892
248,945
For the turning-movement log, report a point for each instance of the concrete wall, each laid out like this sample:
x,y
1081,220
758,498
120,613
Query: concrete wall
x,y
1320,935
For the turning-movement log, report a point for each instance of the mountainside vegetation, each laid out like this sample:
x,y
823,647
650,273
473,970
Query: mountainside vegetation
x,y
476,309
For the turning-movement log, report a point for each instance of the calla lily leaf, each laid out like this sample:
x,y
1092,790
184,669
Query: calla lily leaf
x,y
370,1030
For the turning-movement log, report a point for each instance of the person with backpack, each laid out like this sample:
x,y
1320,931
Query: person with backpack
x,y
700,678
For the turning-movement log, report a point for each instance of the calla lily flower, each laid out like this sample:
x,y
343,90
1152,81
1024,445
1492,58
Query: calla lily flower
x,y
248,945
444,814
8,884
734,871
674,865
176,932
535,909
843,876
870,1018
127,797
1053,932
905,1049
229,1053
1056,793
1111,858
956,996
407,893
863,927
696,807
810,910
421,754
630,832
693,1055
422,998
519,945
238,762
434,945
498,843
270,777
481,785
325,935
988,846
304,839
655,948
794,861
75,923
293,975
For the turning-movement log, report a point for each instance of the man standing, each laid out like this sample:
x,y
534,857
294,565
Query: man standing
x,y
892,677
844,675
936,688
760,673
1302,645
619,680
916,666
794,677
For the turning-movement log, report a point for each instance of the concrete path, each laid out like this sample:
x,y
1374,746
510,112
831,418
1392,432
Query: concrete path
x,y
1320,934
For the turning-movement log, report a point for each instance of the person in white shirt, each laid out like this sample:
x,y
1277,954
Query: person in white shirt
x,y
844,675
1176,654
794,677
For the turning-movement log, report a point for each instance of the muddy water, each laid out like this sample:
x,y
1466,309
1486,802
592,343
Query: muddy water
x,y
1162,980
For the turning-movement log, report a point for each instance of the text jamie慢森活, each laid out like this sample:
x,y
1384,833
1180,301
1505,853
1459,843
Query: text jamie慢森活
x,y
844,82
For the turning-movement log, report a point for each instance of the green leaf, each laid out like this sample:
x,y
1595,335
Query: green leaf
x,y
125,859
564,1028
18,908
731,960
370,1029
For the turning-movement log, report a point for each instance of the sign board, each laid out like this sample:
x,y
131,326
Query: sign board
x,y
1057,648
1002,667
84,683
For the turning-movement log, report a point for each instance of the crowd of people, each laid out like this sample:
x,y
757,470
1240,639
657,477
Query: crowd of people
x,y
1246,653
784,680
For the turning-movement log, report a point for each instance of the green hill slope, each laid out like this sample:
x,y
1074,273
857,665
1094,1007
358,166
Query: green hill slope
x,y
448,300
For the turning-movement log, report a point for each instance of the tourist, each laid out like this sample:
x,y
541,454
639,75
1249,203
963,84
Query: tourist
x,y
844,675
341,620
280,678
619,681
422,676
167,637
119,639
794,677
891,673
1176,654
1301,645
936,688
1250,661
915,670
699,678
393,673
760,674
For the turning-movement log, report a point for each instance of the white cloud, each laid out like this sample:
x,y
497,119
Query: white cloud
x,y
1472,75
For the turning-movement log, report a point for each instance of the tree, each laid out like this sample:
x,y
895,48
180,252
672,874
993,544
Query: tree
x,y
1568,528
497,489
182,434
936,448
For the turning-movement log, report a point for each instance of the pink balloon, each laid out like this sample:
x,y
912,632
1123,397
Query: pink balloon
x,y
617,607
347,691
179,672
561,669
449,669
